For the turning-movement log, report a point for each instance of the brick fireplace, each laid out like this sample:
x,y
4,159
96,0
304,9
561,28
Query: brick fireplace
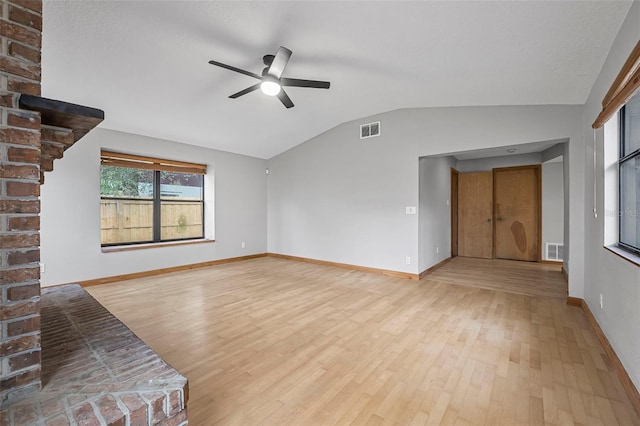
x,y
63,357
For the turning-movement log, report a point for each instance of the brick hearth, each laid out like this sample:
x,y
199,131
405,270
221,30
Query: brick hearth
x,y
95,371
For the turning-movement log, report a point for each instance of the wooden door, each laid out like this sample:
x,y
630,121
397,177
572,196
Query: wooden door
x,y
475,205
517,212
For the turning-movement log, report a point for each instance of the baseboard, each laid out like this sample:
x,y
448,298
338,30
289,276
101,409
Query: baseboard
x,y
627,383
348,266
565,274
552,262
161,271
435,267
574,301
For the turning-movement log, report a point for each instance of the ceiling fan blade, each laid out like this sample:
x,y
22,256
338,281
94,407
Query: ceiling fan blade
x,y
245,91
232,68
296,82
279,62
285,99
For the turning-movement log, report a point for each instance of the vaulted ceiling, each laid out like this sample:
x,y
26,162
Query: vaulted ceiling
x,y
146,63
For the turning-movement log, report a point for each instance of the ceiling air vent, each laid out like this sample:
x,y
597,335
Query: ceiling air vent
x,y
369,130
555,251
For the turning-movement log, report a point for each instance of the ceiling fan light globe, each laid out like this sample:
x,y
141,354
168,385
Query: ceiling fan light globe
x,y
270,88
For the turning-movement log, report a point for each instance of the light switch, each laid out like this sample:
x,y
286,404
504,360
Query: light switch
x,y
411,210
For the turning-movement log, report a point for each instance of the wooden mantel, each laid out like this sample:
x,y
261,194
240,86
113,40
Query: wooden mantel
x,y
81,119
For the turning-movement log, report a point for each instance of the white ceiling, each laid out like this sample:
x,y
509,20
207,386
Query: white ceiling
x,y
146,63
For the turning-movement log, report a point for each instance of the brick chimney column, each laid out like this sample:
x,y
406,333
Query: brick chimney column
x,y
20,43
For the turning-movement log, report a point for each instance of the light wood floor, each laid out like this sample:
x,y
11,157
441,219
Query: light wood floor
x,y
273,341
528,278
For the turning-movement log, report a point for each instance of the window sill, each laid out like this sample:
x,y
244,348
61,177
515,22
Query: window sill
x,y
113,249
626,255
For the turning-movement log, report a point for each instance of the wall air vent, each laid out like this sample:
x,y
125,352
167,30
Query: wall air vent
x,y
369,130
555,251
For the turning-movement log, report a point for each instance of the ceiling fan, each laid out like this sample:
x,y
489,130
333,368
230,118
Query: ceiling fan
x,y
271,80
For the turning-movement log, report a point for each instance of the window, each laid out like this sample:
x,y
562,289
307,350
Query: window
x,y
147,200
629,175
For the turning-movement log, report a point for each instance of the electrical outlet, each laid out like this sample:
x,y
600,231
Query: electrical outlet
x,y
410,210
408,260
242,245
42,269
601,301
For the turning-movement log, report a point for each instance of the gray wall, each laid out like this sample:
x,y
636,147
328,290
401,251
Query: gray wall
x,y
434,210
552,204
605,273
342,199
236,202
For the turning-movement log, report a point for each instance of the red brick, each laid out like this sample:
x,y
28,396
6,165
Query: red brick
x,y
19,344
23,292
15,66
8,100
52,405
19,206
46,164
24,119
4,417
26,18
20,309
24,172
20,379
61,420
21,51
24,223
10,276
174,403
19,240
20,33
84,415
20,137
157,406
51,150
24,326
110,411
34,5
23,257
137,410
19,85
20,361
63,136
23,154
179,419
22,189
24,414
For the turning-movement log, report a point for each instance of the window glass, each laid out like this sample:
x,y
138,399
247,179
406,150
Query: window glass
x,y
629,175
631,141
630,202
129,196
182,209
126,182
181,220
180,186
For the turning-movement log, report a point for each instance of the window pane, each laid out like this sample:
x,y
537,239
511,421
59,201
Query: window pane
x,y
632,125
125,221
630,202
181,186
181,220
125,182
